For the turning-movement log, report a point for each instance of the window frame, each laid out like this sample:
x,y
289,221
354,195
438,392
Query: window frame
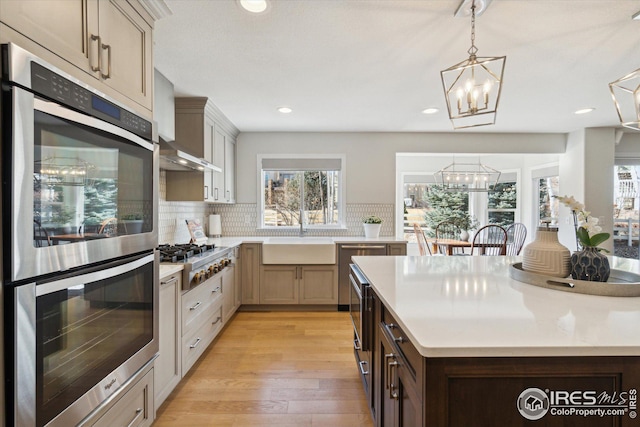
x,y
341,190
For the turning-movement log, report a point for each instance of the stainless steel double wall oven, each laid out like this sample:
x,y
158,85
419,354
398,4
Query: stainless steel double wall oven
x,y
79,232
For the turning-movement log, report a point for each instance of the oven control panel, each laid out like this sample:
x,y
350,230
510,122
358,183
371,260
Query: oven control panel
x,y
46,83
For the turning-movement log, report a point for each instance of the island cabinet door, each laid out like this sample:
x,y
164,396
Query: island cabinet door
x,y
400,401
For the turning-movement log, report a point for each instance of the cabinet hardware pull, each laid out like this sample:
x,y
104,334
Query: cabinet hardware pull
x,y
170,281
95,38
392,393
363,247
217,320
195,306
195,344
215,192
206,191
361,364
133,421
108,49
399,340
228,193
356,346
216,290
386,361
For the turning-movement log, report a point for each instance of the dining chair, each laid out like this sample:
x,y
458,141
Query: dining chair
x,y
108,227
516,235
40,235
447,230
490,240
423,245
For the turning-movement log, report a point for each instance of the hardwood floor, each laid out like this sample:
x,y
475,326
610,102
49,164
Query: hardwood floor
x,y
273,369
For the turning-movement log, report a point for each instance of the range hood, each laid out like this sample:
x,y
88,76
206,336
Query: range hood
x,y
172,155
173,158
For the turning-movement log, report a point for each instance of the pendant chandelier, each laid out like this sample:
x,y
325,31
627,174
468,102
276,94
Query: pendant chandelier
x,y
472,177
626,96
472,87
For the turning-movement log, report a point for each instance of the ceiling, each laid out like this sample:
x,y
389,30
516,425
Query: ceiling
x,y
374,65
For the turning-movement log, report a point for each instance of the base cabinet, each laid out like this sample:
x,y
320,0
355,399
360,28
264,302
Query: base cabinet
x,y
134,409
201,319
298,284
168,365
229,295
412,391
400,387
250,272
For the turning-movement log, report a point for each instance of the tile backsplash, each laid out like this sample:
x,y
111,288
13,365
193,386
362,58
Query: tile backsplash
x,y
241,219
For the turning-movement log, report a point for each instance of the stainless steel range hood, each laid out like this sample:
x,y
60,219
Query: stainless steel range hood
x,y
172,155
173,158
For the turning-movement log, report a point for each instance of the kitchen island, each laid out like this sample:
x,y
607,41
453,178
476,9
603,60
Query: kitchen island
x,y
457,342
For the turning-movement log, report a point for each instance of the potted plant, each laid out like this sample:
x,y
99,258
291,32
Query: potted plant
x,y
372,225
132,223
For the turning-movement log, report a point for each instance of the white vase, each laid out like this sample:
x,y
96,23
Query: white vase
x,y
546,255
464,235
372,230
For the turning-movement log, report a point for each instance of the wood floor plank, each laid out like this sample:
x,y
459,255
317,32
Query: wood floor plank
x,y
273,369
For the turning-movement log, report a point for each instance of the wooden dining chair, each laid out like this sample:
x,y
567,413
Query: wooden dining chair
x,y
516,235
490,240
447,230
108,227
423,245
40,235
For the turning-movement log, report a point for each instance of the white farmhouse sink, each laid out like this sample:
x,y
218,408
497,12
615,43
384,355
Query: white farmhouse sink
x,y
298,250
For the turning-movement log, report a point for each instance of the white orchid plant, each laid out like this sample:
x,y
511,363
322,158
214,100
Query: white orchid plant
x,y
588,232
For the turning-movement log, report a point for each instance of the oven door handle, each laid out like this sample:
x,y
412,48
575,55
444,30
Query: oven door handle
x,y
58,285
66,114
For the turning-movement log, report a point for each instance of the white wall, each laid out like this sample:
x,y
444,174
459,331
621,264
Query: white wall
x,y
370,157
586,173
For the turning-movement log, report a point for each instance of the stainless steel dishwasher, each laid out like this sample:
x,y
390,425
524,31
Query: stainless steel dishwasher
x,y
345,252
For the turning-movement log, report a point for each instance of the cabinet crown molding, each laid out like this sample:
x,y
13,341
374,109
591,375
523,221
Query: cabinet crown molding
x,y
158,9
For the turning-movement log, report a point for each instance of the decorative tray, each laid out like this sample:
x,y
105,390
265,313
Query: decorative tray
x,y
620,283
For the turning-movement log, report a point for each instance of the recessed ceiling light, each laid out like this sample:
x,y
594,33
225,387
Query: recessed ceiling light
x,y
285,110
584,110
254,6
430,110
184,162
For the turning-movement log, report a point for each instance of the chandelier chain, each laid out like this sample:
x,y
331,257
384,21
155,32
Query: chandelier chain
x,y
473,49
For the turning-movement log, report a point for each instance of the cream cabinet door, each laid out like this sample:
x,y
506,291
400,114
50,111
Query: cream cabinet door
x,y
168,366
318,284
64,27
229,170
279,284
218,160
125,49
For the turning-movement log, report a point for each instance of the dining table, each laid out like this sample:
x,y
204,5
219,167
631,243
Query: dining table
x,y
448,245
74,237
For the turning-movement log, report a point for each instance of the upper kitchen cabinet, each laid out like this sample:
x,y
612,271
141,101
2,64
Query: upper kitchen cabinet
x,y
109,40
225,156
203,131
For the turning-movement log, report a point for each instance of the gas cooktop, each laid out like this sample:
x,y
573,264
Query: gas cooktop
x,y
200,262
183,252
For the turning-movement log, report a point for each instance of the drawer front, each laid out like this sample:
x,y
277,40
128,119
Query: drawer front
x,y
197,341
196,304
401,341
134,408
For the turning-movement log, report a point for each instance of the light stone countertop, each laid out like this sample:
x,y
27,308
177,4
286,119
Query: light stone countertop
x,y
166,269
237,240
470,307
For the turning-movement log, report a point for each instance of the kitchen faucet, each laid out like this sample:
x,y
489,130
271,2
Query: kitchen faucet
x,y
302,230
